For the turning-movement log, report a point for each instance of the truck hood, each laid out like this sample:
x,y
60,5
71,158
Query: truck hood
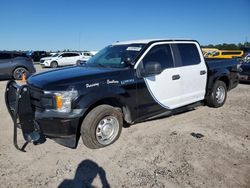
x,y
61,79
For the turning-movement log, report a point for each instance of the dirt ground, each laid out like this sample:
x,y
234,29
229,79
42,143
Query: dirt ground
x,y
157,153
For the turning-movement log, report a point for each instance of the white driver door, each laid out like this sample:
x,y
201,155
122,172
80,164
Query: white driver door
x,y
165,87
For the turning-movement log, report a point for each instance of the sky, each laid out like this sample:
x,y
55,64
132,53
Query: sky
x,y
91,25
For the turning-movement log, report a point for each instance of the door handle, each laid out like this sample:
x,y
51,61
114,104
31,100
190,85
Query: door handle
x,y
176,77
203,72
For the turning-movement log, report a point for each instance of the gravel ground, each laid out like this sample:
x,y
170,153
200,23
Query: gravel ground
x,y
165,152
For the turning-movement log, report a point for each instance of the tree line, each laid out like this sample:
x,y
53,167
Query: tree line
x,y
228,46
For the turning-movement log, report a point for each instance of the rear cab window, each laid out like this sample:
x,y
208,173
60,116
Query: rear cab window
x,y
189,54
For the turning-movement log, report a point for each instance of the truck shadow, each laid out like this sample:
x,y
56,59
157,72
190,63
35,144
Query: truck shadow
x,y
245,82
85,174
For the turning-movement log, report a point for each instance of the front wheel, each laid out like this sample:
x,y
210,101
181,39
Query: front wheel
x,y
54,64
218,96
78,62
101,127
18,73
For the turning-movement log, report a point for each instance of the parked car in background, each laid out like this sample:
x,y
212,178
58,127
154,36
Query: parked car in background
x,y
86,55
61,59
246,59
14,65
226,54
207,51
52,53
244,72
37,55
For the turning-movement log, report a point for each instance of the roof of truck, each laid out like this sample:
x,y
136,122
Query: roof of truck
x,y
146,41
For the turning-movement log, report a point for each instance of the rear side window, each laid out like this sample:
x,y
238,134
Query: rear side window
x,y
5,56
74,54
161,54
19,55
231,53
189,54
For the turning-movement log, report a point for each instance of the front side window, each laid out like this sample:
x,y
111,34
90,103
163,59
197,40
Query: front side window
x,y
161,54
86,54
115,55
65,55
216,54
189,54
55,55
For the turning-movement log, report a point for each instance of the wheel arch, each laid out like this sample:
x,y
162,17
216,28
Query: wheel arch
x,y
53,62
222,75
112,101
225,79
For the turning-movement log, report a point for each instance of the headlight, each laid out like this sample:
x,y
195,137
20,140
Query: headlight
x,y
64,99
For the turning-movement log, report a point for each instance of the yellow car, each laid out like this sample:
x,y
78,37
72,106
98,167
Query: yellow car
x,y
226,54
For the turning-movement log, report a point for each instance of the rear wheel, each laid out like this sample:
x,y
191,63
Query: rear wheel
x,y
218,96
18,73
54,64
101,127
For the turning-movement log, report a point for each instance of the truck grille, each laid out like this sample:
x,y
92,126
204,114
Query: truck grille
x,y
36,97
39,100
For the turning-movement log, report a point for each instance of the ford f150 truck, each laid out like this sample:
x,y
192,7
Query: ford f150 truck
x,y
125,83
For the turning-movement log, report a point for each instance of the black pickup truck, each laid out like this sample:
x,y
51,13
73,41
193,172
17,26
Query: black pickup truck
x,y
125,83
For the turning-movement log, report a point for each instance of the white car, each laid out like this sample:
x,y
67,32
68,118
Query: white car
x,y
61,59
86,55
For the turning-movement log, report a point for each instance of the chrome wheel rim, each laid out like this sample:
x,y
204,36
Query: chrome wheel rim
x,y
107,130
19,73
220,94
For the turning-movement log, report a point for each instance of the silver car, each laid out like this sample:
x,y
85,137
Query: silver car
x,y
14,64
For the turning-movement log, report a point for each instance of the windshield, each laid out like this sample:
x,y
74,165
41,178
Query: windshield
x,y
115,55
55,55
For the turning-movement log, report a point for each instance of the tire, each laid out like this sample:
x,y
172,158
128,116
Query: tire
x,y
218,96
18,73
78,62
101,122
53,64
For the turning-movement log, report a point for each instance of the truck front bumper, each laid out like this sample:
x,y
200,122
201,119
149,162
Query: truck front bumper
x,y
61,127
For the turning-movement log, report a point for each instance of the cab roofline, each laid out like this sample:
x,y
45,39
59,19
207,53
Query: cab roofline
x,y
146,41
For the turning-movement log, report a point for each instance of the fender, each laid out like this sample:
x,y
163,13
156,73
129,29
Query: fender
x,y
113,95
217,74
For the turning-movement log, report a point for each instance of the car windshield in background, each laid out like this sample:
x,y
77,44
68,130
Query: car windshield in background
x,y
115,56
55,55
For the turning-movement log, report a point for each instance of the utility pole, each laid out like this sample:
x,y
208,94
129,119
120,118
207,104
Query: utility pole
x,y
79,41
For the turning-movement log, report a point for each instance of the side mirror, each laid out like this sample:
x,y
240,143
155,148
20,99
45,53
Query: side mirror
x,y
152,68
128,60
